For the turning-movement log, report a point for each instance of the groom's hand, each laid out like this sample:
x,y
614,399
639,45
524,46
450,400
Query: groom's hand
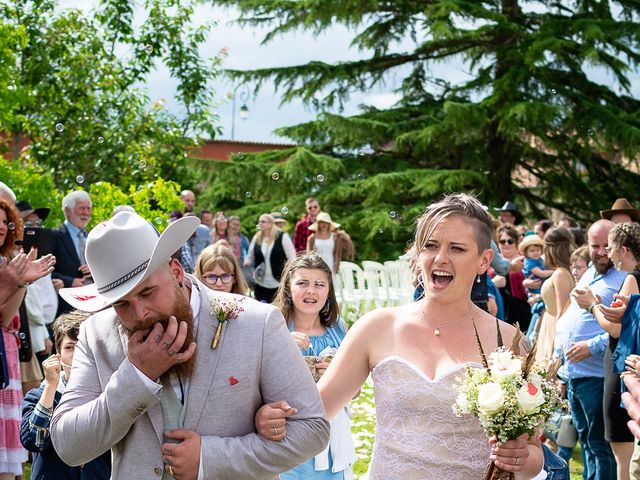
x,y
183,457
154,351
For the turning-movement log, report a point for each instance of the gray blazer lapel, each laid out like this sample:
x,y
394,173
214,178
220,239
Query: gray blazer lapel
x,y
206,361
155,411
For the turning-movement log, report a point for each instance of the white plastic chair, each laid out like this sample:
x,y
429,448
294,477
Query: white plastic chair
x,y
377,283
401,278
352,291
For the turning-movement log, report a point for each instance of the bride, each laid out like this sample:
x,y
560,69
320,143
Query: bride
x,y
414,354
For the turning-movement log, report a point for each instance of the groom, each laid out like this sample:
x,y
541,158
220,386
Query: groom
x,y
148,384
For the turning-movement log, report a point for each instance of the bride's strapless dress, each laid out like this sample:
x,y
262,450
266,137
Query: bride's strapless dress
x,y
418,437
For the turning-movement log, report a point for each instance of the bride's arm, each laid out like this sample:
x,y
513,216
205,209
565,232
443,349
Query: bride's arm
x,y
349,369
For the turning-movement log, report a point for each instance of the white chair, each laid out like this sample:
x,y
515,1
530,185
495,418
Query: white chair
x,y
377,283
352,291
401,280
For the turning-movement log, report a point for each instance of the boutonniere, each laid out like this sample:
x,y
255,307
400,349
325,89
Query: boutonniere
x,y
224,310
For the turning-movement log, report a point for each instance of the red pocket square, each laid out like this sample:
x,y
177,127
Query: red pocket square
x,y
233,380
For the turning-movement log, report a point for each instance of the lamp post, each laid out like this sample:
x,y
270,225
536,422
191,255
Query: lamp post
x,y
244,110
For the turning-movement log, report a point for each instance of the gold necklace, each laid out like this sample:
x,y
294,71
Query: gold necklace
x,y
436,328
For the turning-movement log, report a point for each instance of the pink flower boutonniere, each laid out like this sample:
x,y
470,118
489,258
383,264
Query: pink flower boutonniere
x,y
224,310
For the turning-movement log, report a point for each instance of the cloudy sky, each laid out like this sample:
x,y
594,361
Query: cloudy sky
x,y
246,52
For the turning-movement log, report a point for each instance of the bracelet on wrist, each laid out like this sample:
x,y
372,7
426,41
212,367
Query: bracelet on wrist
x,y
591,307
24,285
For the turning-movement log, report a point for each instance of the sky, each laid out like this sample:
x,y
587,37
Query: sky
x,y
246,52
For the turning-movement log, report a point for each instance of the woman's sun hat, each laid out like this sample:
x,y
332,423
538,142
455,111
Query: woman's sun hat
x,y
323,217
123,252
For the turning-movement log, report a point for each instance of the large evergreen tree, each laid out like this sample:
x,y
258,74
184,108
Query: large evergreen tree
x,y
529,124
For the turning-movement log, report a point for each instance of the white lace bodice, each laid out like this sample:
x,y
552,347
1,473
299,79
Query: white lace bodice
x,y
418,437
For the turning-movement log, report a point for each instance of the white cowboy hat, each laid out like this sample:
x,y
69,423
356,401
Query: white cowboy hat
x,y
323,217
121,253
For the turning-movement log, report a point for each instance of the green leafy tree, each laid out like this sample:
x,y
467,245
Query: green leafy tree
x,y
76,88
153,201
529,123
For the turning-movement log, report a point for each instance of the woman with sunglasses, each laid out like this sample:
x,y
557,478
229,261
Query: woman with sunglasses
x,y
218,268
513,293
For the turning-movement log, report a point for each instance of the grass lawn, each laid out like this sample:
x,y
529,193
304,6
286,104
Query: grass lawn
x,y
363,428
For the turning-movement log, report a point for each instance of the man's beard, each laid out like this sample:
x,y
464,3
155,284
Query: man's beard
x,y
600,265
182,311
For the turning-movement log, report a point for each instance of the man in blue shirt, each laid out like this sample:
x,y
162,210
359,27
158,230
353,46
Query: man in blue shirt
x,y
581,343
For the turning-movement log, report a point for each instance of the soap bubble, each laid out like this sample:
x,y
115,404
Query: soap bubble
x,y
320,178
11,226
158,220
59,127
100,139
275,176
80,178
393,214
284,210
380,231
247,194
148,49
361,177
142,164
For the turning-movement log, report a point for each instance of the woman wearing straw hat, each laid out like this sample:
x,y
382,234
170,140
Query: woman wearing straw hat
x,y
331,244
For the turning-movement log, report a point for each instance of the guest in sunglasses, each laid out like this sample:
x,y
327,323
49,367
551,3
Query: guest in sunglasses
x,y
511,285
218,268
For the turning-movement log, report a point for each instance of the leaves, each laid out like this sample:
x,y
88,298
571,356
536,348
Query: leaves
x,y
527,122
77,97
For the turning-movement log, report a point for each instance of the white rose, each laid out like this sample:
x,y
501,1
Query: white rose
x,y
503,365
490,397
530,397
463,403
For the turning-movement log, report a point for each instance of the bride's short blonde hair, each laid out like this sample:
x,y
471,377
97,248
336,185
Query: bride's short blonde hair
x,y
459,205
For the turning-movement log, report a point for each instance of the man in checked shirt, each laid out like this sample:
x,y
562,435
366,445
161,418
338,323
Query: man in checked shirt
x,y
39,404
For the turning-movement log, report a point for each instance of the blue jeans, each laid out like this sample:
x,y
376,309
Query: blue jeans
x,y
585,399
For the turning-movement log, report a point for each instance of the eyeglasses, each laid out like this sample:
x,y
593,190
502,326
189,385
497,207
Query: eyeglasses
x,y
507,241
212,278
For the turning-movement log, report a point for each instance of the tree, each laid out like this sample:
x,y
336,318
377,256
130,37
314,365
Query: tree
x,y
530,107
76,88
153,201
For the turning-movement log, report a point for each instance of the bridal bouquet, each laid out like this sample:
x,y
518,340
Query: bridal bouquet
x,y
510,396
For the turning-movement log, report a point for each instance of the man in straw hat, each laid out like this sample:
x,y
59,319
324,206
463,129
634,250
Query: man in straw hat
x,y
621,211
157,382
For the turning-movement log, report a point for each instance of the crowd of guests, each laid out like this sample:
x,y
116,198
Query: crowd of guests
x,y
569,290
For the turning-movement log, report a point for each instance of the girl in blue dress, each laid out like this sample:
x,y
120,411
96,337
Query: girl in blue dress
x,y
307,300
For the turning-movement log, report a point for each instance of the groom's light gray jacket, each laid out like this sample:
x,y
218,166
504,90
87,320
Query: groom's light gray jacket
x,y
107,406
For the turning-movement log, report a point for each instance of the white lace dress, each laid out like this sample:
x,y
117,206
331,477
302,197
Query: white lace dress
x,y
418,437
